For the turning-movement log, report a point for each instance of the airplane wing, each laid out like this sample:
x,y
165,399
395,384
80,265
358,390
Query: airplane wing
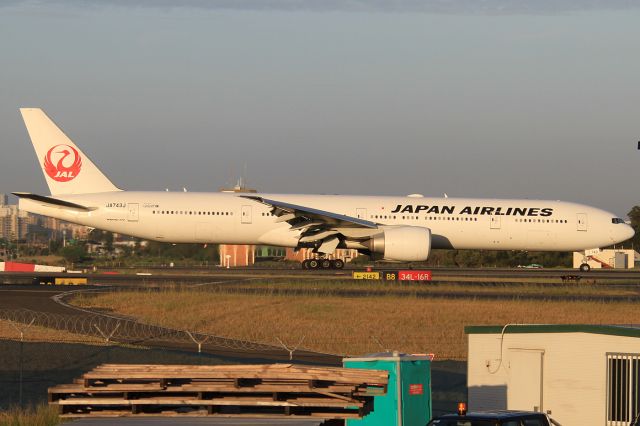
x,y
322,228
293,211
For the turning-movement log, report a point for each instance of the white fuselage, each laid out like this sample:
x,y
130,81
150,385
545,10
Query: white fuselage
x,y
459,223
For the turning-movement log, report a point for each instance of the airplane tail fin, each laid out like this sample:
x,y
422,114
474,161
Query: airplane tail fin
x,y
66,169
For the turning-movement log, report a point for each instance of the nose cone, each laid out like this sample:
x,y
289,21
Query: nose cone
x,y
621,232
628,232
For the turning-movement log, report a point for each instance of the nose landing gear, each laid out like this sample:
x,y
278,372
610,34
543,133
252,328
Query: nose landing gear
x,y
322,264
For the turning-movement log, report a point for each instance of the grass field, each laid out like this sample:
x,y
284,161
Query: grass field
x,y
348,325
10,330
42,415
495,286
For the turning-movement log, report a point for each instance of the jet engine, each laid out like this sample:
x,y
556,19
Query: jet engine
x,y
402,243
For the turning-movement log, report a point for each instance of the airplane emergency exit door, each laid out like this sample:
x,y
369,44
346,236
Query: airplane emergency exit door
x,y
245,215
582,221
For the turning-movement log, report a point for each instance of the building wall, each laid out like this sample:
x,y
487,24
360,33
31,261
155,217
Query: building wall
x,y
573,372
239,255
12,222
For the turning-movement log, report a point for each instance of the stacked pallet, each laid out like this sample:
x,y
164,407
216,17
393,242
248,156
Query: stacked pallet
x,y
227,390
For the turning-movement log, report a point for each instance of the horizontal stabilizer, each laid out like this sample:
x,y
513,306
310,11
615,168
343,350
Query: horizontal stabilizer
x,y
53,202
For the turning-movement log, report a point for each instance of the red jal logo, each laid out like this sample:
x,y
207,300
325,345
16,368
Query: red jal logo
x,y
67,166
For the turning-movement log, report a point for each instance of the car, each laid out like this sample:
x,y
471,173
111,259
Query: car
x,y
531,266
494,418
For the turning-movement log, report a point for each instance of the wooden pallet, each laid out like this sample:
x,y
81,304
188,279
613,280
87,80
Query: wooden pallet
x,y
228,390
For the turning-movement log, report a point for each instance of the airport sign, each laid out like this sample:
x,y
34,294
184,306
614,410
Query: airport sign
x,y
402,275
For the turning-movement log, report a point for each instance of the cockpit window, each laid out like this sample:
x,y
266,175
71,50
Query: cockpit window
x,y
617,220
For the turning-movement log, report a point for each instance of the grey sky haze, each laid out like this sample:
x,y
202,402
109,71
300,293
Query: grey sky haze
x,y
523,99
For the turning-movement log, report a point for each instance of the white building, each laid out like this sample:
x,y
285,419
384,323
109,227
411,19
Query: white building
x,y
580,374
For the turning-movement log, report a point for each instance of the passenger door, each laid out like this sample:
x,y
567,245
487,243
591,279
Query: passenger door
x,y
133,210
494,222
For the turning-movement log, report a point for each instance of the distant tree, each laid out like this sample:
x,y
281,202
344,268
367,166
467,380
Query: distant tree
x,y
197,252
108,241
468,258
439,257
103,237
634,217
73,253
55,245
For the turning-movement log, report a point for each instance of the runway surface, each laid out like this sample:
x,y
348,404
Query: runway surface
x,y
220,275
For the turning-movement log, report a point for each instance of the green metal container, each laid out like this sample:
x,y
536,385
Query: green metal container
x,y
408,398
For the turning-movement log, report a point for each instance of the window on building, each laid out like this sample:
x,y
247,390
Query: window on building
x,y
623,388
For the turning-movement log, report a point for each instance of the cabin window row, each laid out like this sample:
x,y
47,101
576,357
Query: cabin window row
x,y
191,212
543,220
466,219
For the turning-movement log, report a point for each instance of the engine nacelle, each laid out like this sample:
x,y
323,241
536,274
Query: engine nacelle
x,y
402,243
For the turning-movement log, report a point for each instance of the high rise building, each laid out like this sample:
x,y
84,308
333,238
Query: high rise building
x,y
4,200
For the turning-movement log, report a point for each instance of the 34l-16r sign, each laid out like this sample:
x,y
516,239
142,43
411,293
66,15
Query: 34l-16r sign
x,y
414,275
402,275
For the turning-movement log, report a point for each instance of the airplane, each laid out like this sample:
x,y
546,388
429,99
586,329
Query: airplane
x,y
402,229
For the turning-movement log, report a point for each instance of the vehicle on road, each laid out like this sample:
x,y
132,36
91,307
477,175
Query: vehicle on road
x,y
494,418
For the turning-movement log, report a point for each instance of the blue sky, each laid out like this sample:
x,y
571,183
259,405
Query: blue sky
x,y
512,99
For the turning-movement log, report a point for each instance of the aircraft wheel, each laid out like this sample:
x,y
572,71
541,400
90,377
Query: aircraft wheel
x,y
305,264
313,264
585,267
326,264
338,264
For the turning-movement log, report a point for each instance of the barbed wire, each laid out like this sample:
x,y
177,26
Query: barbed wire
x,y
114,329
124,330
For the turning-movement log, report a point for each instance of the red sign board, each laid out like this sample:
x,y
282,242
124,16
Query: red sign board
x,y
18,267
416,389
414,275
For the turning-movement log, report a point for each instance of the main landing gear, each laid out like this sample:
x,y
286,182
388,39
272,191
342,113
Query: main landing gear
x,y
322,264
